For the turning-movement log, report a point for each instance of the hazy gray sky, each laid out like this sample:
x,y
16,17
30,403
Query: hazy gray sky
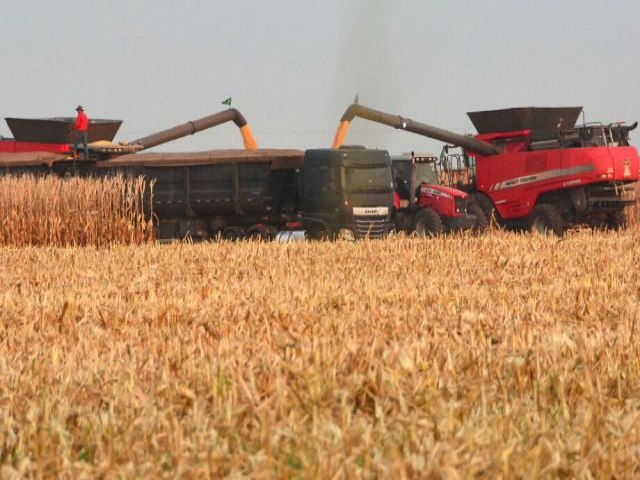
x,y
293,66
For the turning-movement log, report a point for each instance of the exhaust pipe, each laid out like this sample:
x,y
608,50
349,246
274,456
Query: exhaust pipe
x,y
189,128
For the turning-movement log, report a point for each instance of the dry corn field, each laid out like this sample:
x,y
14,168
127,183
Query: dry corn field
x,y
51,211
498,356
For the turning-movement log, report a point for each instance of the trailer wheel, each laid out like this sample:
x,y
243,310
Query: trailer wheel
x,y
546,219
427,223
232,234
481,219
259,232
318,233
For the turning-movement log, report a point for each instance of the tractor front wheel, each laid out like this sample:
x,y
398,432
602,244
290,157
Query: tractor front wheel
x,y
545,219
427,223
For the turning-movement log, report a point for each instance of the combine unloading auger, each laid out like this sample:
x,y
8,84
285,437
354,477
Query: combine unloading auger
x,y
54,135
189,128
396,121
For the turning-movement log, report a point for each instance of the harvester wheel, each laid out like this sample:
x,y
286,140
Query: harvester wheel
x,y
490,213
617,220
481,220
546,219
427,223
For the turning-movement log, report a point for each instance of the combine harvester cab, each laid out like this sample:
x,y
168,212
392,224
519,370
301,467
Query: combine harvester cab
x,y
534,168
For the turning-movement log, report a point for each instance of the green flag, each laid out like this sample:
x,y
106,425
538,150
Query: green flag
x,y
227,102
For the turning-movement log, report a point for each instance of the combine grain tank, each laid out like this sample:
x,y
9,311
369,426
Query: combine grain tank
x,y
58,130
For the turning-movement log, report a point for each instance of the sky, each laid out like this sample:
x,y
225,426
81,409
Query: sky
x,y
293,66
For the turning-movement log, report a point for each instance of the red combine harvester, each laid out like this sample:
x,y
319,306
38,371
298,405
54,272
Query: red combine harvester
x,y
425,207
534,167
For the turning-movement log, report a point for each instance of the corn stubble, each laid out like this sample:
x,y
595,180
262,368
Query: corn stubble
x,y
51,211
504,355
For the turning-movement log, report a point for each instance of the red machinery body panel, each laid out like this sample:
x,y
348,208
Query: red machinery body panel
x,y
515,179
441,199
12,146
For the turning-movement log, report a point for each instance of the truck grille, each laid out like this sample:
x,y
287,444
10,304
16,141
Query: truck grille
x,y
370,227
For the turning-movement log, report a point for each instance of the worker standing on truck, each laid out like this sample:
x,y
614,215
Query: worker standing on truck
x,y
81,127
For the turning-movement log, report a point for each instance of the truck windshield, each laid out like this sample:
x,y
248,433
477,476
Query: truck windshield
x,y
374,179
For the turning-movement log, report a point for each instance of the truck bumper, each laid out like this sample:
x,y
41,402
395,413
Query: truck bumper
x,y
465,221
371,227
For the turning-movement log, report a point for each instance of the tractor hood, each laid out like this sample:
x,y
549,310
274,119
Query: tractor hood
x,y
441,189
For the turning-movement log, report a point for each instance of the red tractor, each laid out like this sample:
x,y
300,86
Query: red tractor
x,y
426,207
534,168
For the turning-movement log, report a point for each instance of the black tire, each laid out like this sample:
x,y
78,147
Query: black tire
x,y
482,223
490,213
233,234
427,223
318,233
259,232
545,219
617,220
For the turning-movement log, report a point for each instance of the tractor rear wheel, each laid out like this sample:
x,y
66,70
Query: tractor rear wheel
x,y
545,219
617,220
427,223
481,220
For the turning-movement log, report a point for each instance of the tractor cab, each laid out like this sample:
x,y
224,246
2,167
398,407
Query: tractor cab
x,y
410,171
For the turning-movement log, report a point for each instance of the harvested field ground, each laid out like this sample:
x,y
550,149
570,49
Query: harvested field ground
x,y
505,355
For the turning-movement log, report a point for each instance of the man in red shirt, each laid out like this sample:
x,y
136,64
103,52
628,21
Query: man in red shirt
x,y
81,127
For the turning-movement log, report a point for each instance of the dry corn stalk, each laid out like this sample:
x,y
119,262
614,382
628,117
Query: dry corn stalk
x,y
52,211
